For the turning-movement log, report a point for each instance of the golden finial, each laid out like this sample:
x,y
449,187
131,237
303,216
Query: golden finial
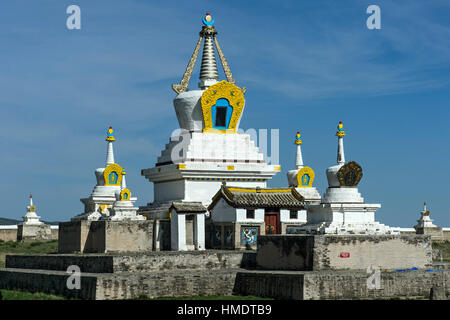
x,y
110,136
297,138
340,132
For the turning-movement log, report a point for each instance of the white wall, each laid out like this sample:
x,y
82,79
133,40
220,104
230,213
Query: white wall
x,y
285,216
171,190
241,216
222,212
204,191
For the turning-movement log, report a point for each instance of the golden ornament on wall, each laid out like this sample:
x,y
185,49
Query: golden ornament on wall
x,y
222,90
113,175
305,177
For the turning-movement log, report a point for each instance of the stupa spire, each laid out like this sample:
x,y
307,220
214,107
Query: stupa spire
x,y
208,70
425,211
123,184
298,158
340,151
31,200
110,152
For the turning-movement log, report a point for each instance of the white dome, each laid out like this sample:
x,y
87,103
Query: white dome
x,y
332,178
99,176
189,110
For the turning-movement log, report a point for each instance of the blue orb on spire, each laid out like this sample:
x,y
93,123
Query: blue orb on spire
x,y
208,20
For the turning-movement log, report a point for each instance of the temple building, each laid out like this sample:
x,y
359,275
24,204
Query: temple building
x,y
239,215
209,149
342,209
32,229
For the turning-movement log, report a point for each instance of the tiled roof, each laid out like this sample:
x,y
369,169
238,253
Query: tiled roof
x,y
259,197
188,206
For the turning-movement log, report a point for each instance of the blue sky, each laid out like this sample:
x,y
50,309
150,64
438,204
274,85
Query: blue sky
x,y
306,66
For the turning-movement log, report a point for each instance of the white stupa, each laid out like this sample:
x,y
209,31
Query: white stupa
x,y
209,149
109,180
31,218
32,229
123,208
303,176
425,225
425,221
343,210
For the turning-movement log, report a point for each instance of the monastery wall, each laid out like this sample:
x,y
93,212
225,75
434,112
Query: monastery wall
x,y
9,233
325,252
151,261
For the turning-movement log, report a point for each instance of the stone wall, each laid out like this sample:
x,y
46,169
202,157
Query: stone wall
x,y
144,262
446,234
322,252
160,274
10,233
123,285
336,285
33,233
154,274
105,236
166,284
72,236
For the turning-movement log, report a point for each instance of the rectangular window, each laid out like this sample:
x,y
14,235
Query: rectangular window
x,y
250,213
221,116
293,214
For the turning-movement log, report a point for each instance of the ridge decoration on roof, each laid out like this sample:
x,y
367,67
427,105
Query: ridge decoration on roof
x,y
259,197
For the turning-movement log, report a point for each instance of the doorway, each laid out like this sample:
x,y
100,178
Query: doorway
x,y
272,220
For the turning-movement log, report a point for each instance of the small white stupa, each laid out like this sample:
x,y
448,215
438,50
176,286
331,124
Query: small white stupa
x,y
123,208
343,210
302,177
109,181
425,225
32,229
31,217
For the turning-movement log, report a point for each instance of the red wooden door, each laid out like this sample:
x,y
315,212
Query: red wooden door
x,y
272,220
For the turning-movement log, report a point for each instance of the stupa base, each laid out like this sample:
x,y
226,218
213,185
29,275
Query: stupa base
x,y
105,236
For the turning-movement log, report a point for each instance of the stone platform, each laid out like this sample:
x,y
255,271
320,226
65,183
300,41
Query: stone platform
x,y
128,276
340,252
211,272
343,285
105,236
136,262
33,232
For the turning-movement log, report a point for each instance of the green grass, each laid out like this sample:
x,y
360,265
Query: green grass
x,y
445,249
19,295
212,297
13,247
